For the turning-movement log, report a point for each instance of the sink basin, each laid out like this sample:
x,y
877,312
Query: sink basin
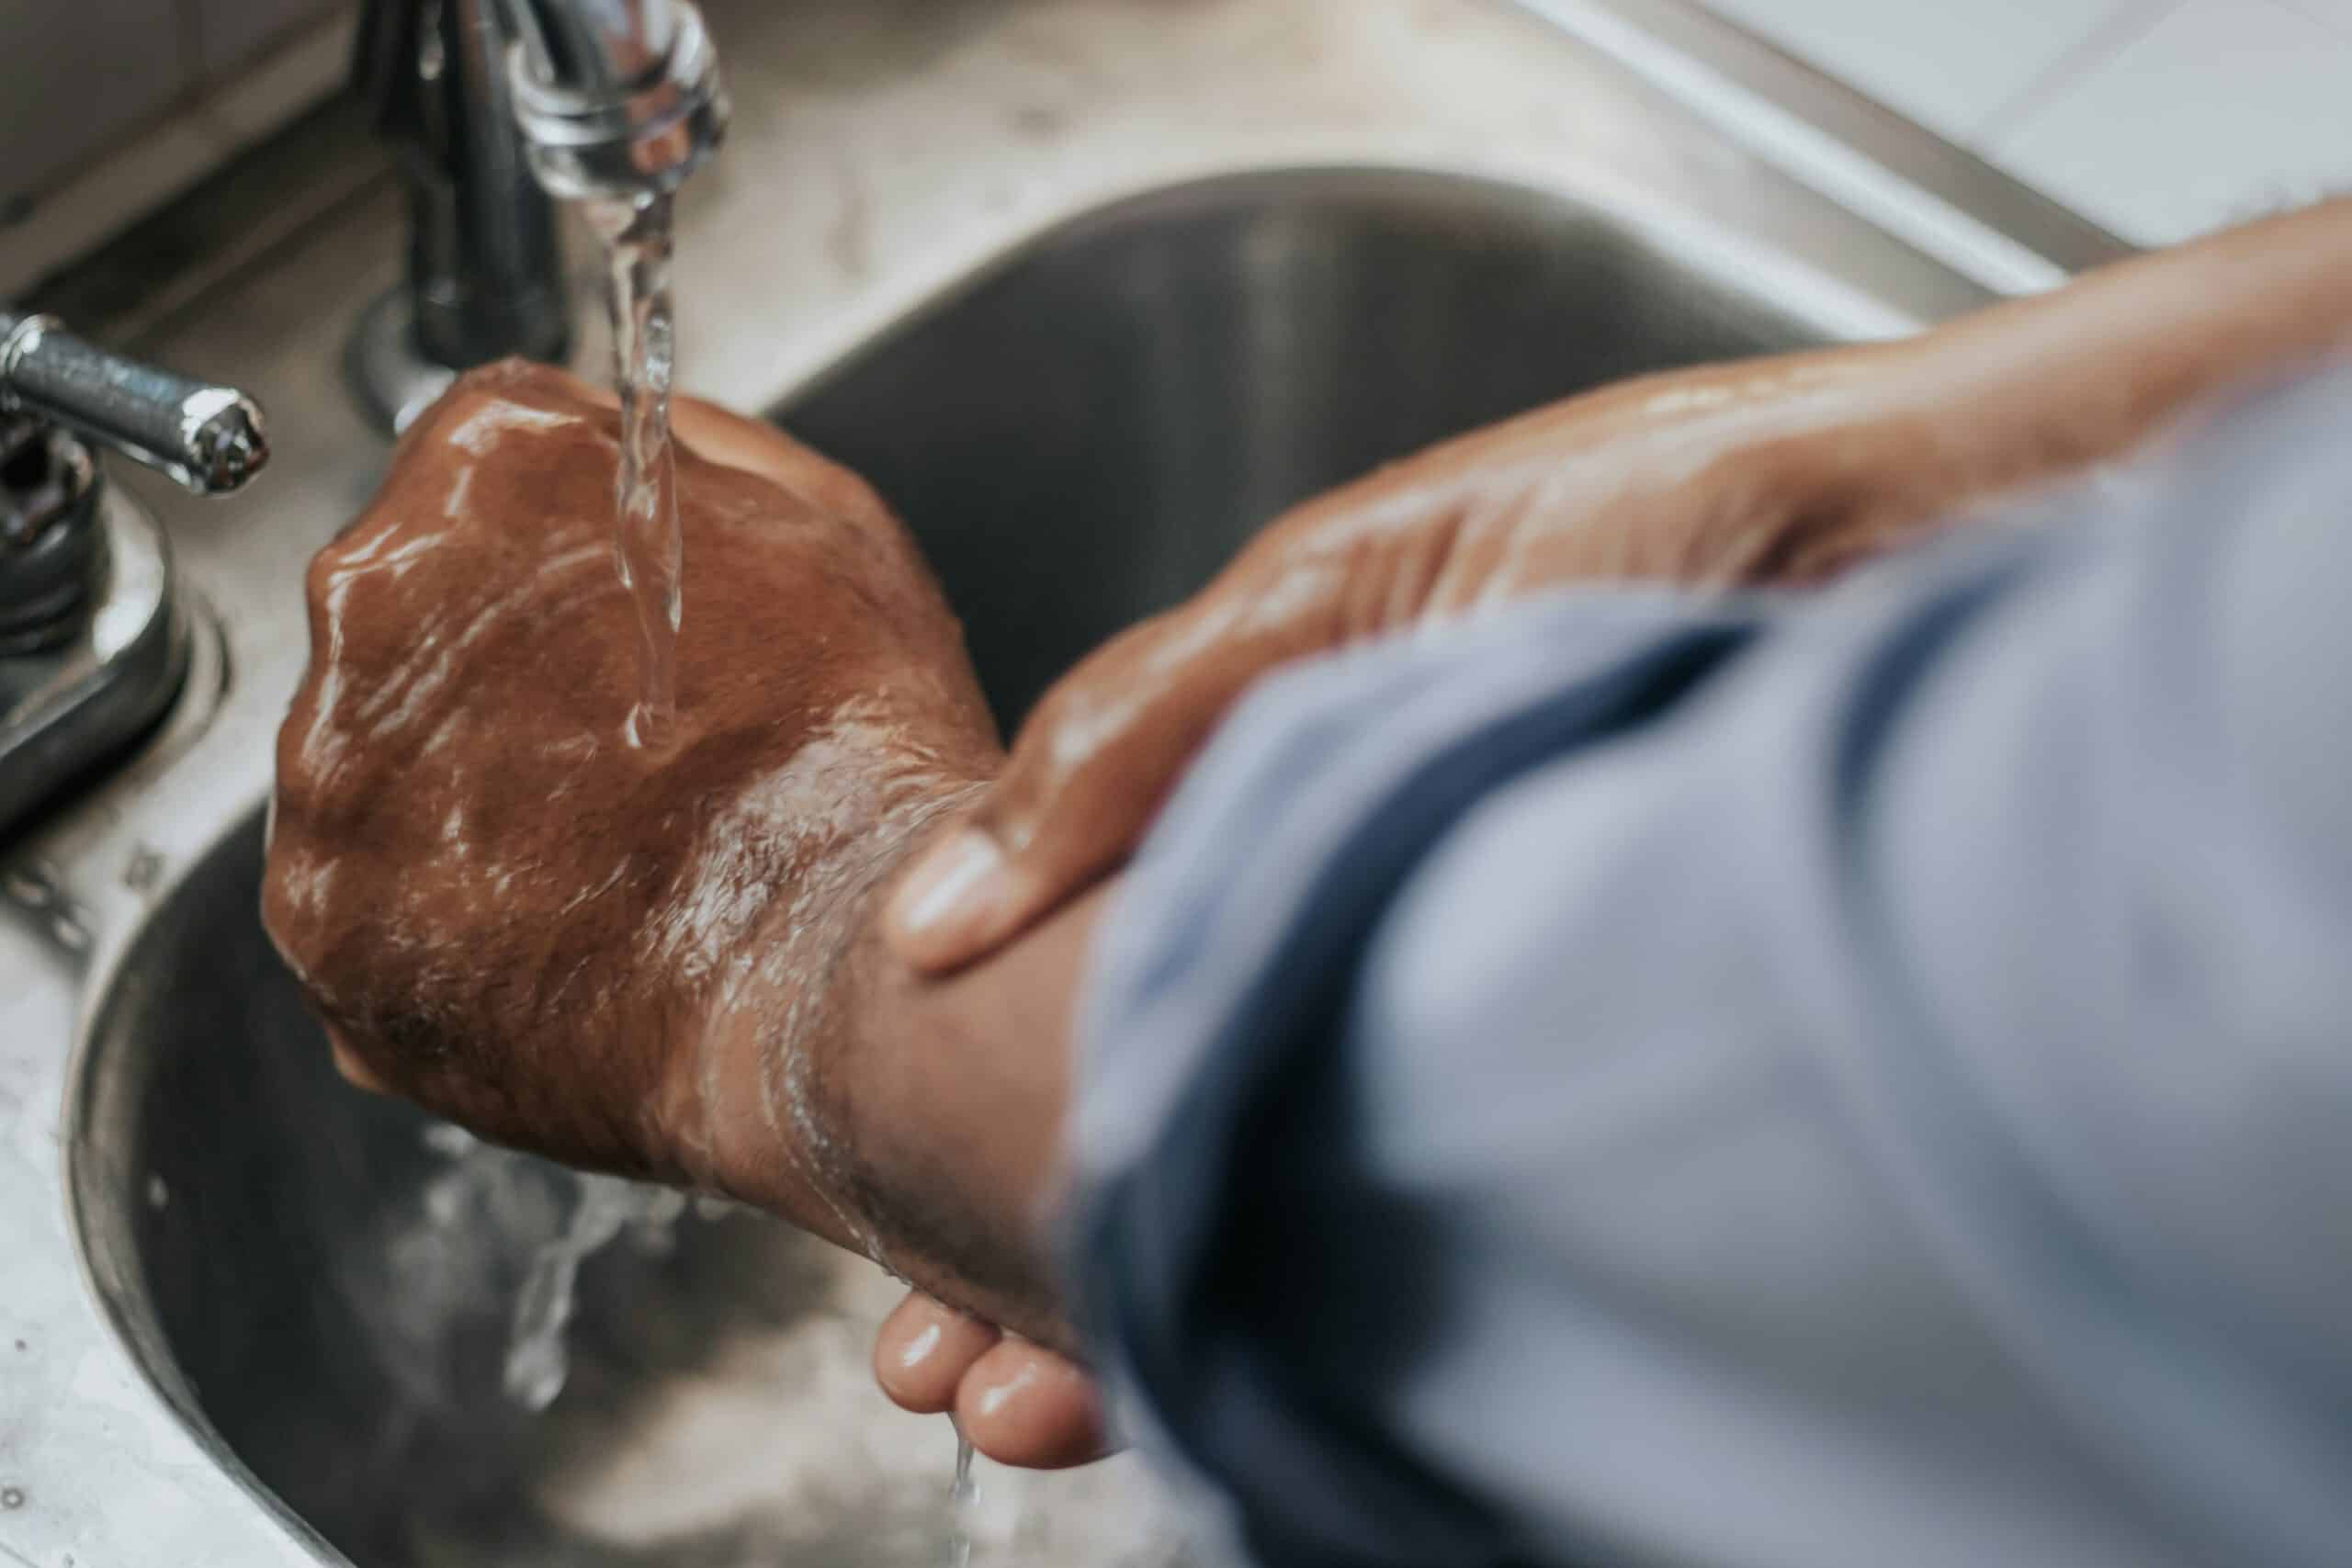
x,y
1083,435
1080,437
328,1282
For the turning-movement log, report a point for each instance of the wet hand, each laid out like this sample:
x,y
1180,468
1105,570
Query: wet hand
x,y
502,910
1014,1401
1778,472
1721,478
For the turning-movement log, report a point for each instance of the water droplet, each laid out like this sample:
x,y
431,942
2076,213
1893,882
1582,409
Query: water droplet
x,y
12,1496
157,1193
146,868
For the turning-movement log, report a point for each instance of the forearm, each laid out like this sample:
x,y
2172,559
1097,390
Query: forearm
x,y
2036,390
919,1119
1786,469
1935,1001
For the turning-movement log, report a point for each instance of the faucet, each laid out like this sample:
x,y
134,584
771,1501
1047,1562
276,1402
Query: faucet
x,y
500,107
94,641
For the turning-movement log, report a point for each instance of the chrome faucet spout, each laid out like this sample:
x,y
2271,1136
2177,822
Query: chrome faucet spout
x,y
499,107
611,47
614,97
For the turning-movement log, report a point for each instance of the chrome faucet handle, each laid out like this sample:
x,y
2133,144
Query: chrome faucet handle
x,y
208,438
94,637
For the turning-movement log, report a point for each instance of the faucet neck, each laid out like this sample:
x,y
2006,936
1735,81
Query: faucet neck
x,y
496,103
485,265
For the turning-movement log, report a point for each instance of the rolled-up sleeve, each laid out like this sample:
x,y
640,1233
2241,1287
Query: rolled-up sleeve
x,y
1640,1080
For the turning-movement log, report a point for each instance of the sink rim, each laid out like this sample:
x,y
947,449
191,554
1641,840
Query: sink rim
x,y
1845,311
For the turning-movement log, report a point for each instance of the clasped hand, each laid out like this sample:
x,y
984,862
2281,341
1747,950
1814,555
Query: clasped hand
x,y
781,958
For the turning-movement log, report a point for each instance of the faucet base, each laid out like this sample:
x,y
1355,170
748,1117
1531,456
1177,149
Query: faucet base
x,y
68,707
389,375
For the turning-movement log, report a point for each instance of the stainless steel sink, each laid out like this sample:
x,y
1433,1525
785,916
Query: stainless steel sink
x,y
1078,438
1090,290
326,1282
1085,434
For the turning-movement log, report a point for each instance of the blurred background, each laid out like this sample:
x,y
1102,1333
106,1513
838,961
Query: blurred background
x,y
2156,119
2159,118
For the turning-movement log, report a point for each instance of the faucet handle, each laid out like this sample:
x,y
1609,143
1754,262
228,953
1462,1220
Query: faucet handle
x,y
208,438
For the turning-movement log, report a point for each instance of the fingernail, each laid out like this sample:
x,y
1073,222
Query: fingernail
x,y
918,1350
993,1399
953,879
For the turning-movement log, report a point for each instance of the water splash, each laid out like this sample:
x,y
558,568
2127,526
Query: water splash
x,y
760,1433
646,544
539,1355
482,1180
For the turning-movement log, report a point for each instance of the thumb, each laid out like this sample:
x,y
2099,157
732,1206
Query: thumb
x,y
1103,751
1042,836
1088,772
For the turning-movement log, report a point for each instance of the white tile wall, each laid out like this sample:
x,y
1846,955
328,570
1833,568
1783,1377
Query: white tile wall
x,y
2335,14
1950,66
2223,110
2160,118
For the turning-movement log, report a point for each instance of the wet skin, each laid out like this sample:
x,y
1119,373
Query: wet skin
x,y
1777,472
821,954
654,964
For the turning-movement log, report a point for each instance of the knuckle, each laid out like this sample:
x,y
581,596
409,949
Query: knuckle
x,y
319,575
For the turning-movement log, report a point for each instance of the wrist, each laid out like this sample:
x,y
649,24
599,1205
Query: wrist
x,y
760,1084
966,1090
737,955
914,1119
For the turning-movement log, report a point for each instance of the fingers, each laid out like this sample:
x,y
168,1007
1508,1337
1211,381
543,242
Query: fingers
x,y
964,899
969,895
1017,1403
1022,1404
1087,774
923,1350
